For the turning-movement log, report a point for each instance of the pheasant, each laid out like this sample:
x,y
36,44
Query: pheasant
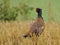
x,y
38,26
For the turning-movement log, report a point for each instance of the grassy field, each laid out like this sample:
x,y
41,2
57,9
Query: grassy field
x,y
11,34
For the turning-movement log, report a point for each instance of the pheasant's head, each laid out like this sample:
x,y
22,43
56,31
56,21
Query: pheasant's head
x,y
39,11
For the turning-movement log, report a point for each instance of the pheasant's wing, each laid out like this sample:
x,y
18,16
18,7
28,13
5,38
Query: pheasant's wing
x,y
41,27
33,27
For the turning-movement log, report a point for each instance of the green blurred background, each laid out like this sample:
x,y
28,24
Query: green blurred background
x,y
25,10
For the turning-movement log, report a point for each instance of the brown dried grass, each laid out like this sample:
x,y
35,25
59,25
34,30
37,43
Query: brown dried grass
x,y
11,34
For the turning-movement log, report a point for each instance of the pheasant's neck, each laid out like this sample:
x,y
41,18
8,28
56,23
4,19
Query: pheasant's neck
x,y
39,14
39,20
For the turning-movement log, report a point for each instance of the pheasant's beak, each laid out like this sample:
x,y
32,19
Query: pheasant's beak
x,y
36,9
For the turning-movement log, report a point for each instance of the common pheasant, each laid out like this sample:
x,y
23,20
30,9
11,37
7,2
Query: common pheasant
x,y
38,26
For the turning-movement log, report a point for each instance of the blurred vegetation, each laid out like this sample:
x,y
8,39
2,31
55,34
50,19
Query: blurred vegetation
x,y
8,14
25,10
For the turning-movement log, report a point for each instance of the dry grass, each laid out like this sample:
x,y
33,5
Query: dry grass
x,y
11,34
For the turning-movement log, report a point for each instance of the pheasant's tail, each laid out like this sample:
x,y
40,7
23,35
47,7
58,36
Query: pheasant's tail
x,y
26,35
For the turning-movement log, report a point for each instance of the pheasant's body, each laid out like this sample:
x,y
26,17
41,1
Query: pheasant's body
x,y
38,26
